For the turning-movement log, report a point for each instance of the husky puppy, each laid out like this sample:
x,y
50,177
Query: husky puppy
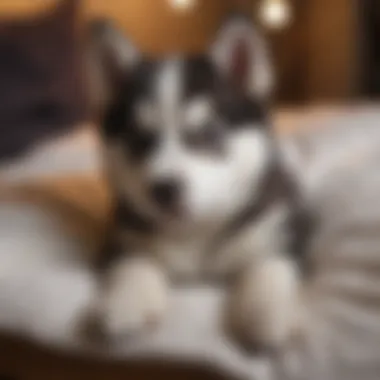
x,y
200,191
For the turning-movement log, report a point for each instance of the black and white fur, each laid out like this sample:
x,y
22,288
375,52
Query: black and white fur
x,y
200,193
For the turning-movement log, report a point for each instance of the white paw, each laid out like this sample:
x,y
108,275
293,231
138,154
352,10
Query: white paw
x,y
134,300
264,309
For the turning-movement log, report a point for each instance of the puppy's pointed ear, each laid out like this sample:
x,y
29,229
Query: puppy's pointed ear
x,y
242,56
112,57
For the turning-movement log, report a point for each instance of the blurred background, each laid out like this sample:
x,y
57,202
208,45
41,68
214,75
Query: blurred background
x,y
325,52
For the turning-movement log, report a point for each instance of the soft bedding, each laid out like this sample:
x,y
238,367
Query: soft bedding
x,y
50,227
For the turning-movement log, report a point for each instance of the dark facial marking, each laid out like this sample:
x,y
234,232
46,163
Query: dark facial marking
x,y
120,120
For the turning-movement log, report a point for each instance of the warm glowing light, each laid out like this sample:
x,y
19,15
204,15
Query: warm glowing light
x,y
275,14
183,5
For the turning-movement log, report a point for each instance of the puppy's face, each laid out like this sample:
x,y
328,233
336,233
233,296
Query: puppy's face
x,y
186,137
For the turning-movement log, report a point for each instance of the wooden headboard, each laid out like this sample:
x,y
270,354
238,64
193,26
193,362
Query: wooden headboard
x,y
155,26
318,56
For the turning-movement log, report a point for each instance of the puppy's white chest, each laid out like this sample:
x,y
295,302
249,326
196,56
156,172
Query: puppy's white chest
x,y
210,255
183,258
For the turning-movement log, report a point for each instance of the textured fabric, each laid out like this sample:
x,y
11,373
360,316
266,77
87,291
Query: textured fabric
x,y
46,284
339,167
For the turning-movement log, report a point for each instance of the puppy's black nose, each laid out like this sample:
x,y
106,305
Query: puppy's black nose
x,y
166,193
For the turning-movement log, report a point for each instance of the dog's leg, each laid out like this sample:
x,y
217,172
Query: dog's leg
x,y
264,308
132,297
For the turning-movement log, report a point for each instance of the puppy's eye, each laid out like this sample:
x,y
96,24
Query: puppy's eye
x,y
208,139
146,115
143,144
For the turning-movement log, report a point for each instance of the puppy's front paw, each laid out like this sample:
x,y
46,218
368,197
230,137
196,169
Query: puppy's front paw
x,y
134,300
264,310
